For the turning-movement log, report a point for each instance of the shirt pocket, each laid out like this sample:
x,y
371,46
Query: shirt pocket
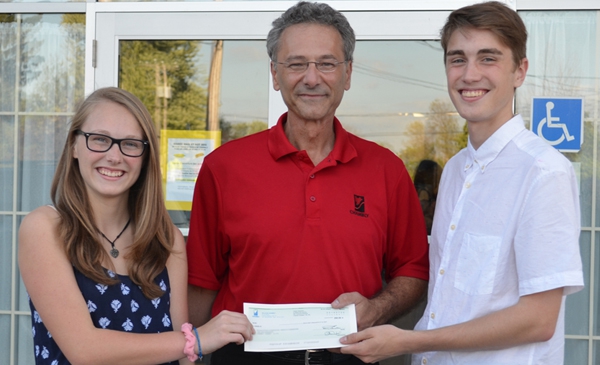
x,y
477,264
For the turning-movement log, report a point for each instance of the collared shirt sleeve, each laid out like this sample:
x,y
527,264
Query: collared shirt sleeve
x,y
206,249
407,247
547,237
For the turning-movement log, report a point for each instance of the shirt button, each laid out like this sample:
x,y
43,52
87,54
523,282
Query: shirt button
x,y
453,227
442,271
312,199
312,176
424,361
432,315
467,185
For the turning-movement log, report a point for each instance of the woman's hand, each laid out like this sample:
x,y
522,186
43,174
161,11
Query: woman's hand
x,y
225,328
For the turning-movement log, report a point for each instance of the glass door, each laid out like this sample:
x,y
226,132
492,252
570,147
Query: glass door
x,y
203,72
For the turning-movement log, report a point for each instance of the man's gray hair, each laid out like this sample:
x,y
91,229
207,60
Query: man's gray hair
x,y
315,13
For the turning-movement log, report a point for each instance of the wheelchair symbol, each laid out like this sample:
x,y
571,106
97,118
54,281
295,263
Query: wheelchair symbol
x,y
550,122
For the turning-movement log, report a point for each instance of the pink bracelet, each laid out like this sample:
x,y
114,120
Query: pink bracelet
x,y
190,341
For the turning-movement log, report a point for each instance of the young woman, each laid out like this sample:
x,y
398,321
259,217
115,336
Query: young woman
x,y
104,266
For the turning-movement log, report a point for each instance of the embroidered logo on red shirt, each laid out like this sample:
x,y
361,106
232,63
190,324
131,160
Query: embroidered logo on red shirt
x,y
359,206
359,203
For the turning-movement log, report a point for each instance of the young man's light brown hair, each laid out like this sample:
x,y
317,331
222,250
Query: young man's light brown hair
x,y
494,16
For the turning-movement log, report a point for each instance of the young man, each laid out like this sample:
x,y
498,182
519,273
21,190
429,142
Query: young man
x,y
304,212
505,250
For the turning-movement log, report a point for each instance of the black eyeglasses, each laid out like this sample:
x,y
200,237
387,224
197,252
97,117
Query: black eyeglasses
x,y
101,143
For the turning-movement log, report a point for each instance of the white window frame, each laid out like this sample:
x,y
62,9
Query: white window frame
x,y
108,23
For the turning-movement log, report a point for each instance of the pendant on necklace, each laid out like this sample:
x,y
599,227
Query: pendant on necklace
x,y
114,252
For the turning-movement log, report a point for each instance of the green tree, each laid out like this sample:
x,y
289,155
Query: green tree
x,y
437,138
146,67
230,131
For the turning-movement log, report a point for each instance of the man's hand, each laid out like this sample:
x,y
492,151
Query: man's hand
x,y
376,343
399,296
532,319
366,312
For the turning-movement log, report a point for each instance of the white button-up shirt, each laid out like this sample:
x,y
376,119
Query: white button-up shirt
x,y
506,225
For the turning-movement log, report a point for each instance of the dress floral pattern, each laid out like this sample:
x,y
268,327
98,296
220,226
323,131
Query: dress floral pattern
x,y
120,307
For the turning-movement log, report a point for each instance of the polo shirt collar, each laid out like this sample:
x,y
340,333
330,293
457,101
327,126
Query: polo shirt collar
x,y
279,146
490,149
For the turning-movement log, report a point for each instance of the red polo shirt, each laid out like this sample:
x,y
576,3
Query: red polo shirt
x,y
267,226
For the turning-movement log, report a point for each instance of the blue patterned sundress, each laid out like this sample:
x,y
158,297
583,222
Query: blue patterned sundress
x,y
120,307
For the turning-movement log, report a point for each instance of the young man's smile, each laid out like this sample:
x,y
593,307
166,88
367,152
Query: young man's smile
x,y
482,77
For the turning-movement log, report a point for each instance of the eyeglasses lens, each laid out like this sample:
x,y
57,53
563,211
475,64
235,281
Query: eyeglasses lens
x,y
129,147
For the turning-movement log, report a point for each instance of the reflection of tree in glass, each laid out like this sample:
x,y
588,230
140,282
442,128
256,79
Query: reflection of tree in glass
x,y
7,18
8,73
52,62
8,63
31,58
6,142
427,180
165,73
230,131
74,27
51,78
437,138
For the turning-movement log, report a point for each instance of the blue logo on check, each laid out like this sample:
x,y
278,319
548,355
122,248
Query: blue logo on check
x,y
255,313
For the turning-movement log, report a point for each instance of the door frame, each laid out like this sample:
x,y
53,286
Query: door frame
x,y
108,23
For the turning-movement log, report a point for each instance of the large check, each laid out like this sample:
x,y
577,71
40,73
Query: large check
x,y
286,327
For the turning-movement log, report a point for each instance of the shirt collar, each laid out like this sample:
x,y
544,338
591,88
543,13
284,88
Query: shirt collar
x,y
490,149
279,146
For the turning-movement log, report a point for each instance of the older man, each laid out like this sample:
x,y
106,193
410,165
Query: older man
x,y
306,212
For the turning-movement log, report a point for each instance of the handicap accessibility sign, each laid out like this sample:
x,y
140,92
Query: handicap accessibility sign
x,y
558,121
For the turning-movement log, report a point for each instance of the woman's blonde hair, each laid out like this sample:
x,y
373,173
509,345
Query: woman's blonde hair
x,y
153,229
